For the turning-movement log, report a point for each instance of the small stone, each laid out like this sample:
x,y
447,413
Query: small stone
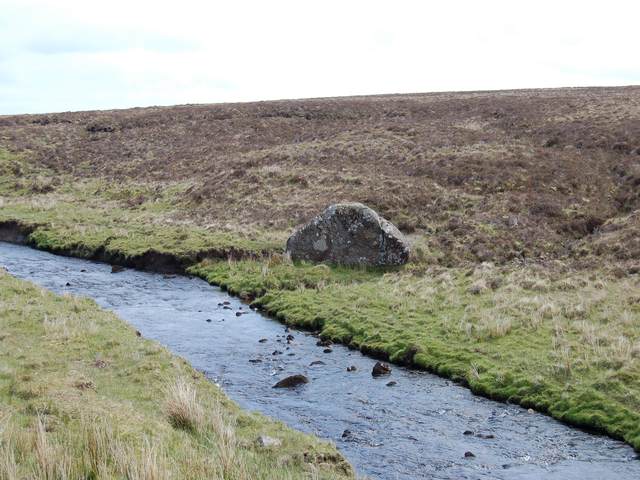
x,y
227,307
255,360
530,410
352,368
469,455
238,314
262,340
327,350
266,442
83,271
100,364
138,334
467,432
392,384
381,368
346,433
226,303
208,320
290,338
317,362
486,436
276,352
67,284
292,381
323,343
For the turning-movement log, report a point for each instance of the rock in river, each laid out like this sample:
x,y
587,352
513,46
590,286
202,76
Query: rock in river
x,y
381,369
292,381
349,234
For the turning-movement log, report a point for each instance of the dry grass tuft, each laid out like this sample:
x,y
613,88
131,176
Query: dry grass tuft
x,y
224,437
149,465
182,406
99,445
8,464
53,463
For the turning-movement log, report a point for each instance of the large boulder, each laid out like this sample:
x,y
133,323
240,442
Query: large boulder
x,y
349,234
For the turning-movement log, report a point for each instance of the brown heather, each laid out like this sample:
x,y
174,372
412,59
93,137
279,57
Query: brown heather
x,y
486,175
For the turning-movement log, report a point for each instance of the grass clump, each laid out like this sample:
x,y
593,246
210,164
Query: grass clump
x,y
182,407
81,396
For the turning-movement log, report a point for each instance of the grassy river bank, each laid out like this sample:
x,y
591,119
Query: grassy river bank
x,y
81,396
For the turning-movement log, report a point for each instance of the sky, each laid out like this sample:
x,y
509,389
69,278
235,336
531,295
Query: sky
x,y
82,55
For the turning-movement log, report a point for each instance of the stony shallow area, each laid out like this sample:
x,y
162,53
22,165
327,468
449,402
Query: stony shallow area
x,y
421,426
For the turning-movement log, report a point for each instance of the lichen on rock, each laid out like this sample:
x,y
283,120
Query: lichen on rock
x,y
349,234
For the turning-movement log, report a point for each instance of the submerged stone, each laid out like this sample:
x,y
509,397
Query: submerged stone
x,y
292,381
349,234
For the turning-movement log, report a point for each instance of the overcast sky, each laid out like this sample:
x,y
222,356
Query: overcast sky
x,y
80,55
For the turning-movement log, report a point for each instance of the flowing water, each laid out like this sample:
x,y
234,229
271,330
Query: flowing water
x,y
413,429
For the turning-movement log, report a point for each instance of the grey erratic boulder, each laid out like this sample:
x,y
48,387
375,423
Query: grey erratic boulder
x,y
349,234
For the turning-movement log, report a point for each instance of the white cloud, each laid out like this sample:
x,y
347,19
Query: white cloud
x,y
77,55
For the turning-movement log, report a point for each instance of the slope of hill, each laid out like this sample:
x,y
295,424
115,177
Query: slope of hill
x,y
484,175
